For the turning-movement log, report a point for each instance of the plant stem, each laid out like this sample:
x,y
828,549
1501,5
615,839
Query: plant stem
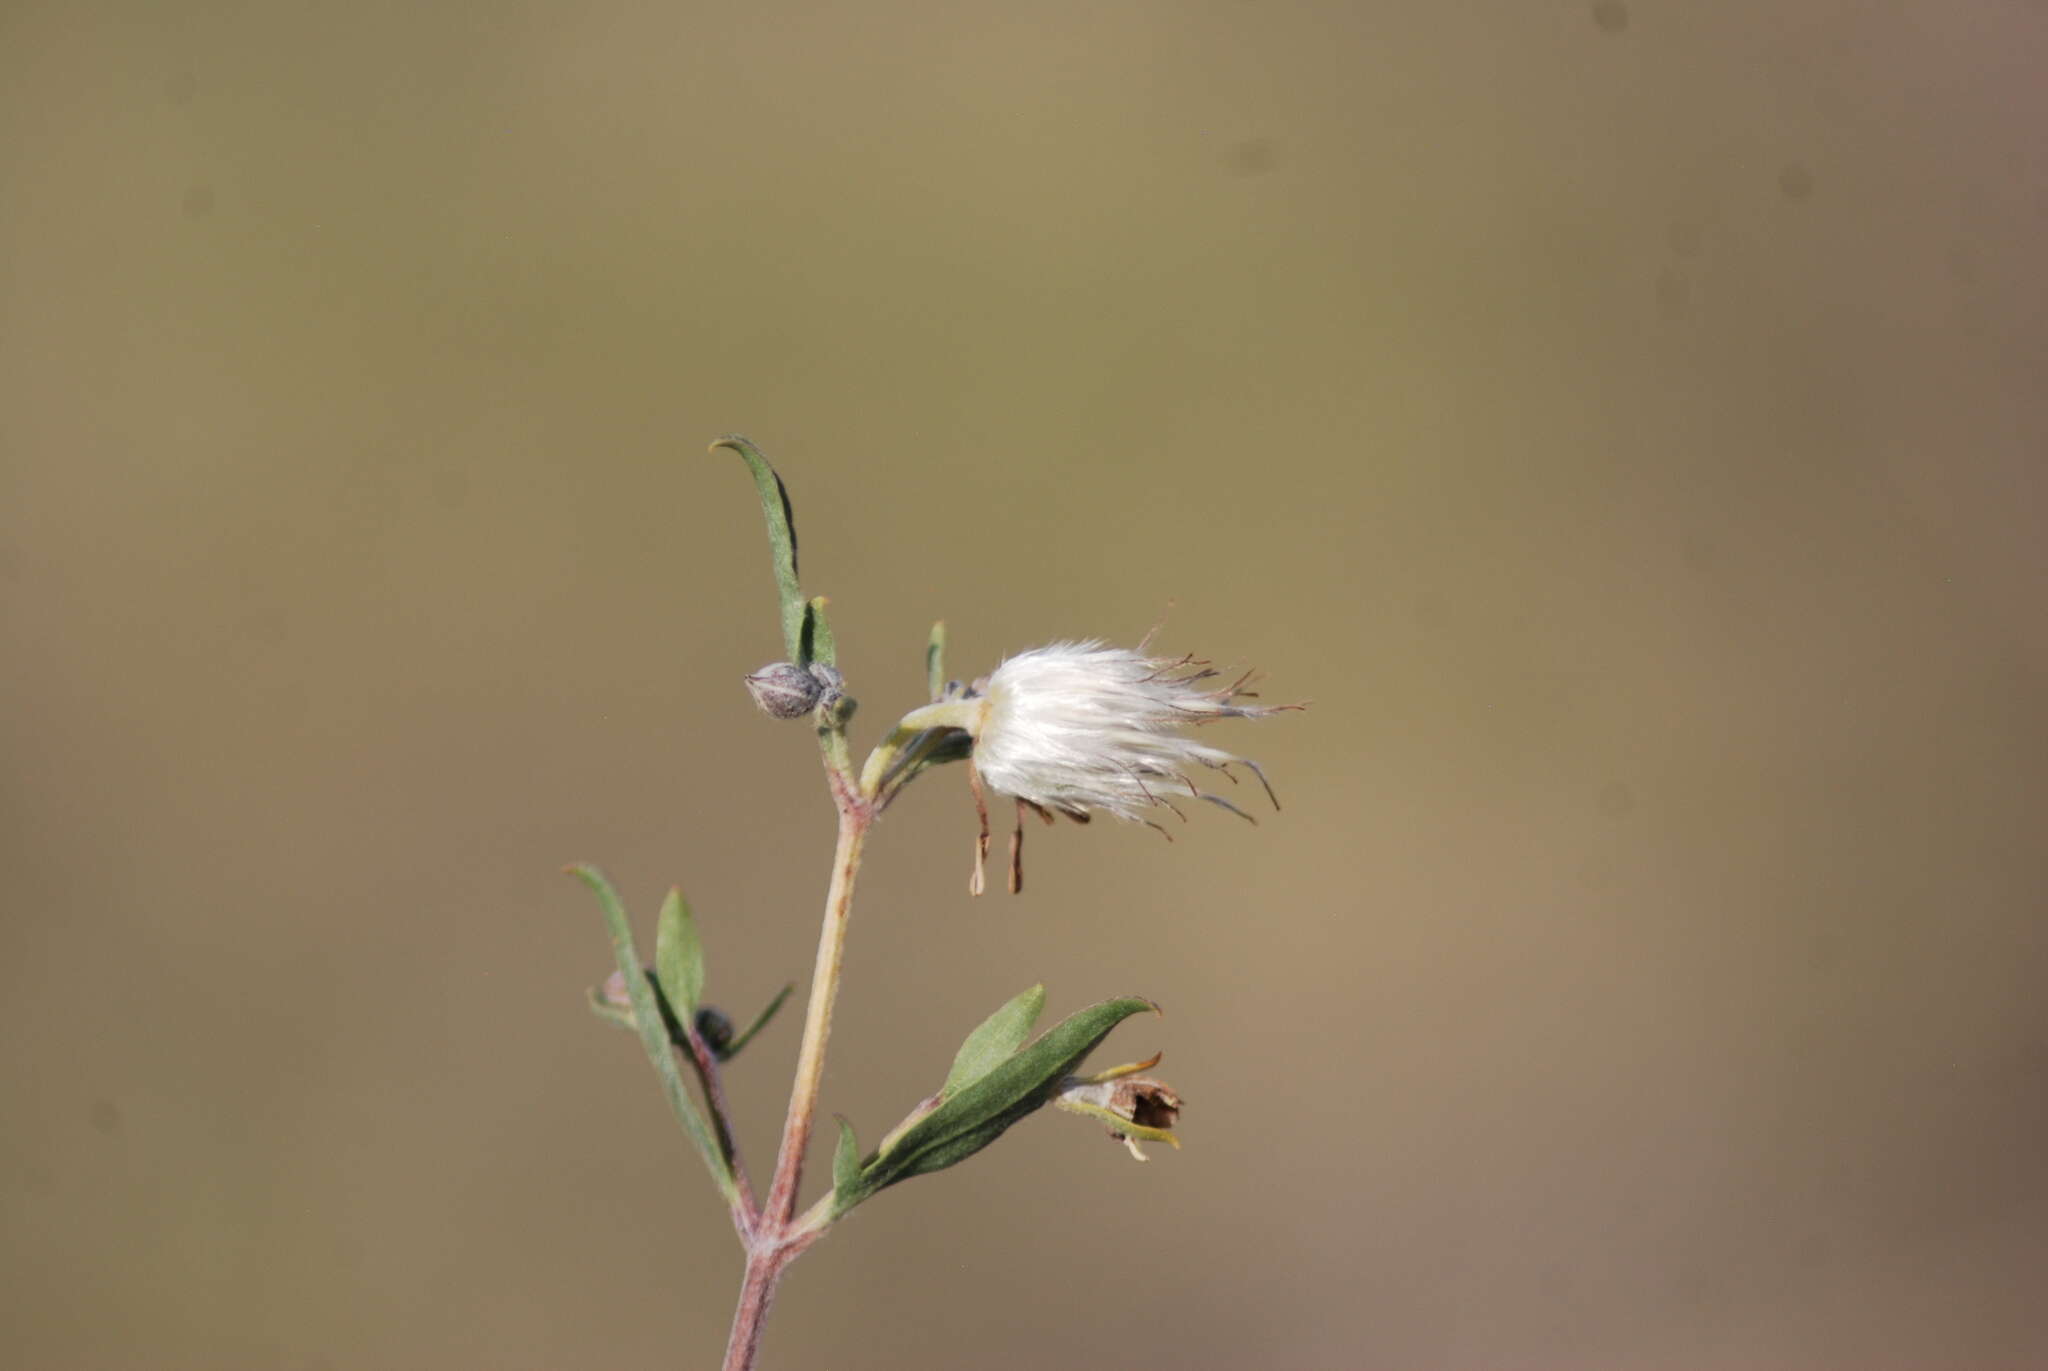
x,y
810,1062
757,1292
705,1063
776,1239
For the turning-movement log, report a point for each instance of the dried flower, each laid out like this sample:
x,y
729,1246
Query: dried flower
x,y
1076,727
1072,728
1131,1105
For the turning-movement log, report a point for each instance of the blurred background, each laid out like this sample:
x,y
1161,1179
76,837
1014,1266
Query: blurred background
x,y
1625,421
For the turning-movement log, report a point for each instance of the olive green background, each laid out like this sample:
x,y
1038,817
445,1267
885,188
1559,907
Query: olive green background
x,y
1625,422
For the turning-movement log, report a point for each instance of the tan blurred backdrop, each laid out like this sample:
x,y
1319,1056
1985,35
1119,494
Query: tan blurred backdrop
x,y
1625,421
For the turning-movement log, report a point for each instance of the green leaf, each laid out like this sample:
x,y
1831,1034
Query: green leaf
x,y
846,1158
653,1032
746,1035
817,643
999,1036
781,520
935,660
980,1112
679,956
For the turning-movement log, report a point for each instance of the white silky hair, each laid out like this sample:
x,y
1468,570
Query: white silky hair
x,y
1079,726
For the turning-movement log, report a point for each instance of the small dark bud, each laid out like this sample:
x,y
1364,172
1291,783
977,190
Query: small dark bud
x,y
715,1029
784,690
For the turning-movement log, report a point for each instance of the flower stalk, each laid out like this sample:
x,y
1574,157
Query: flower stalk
x,y
774,1238
810,1064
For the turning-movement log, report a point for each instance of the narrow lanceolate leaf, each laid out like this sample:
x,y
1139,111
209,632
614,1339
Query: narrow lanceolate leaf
x,y
999,1036
979,1112
817,643
746,1035
781,541
935,660
653,1032
679,956
845,1159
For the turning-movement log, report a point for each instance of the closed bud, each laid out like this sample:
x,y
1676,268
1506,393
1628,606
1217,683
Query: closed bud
x,y
784,690
613,994
611,1003
716,1031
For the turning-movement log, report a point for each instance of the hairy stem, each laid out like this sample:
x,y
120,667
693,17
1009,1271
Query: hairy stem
x,y
810,1062
757,1292
777,1238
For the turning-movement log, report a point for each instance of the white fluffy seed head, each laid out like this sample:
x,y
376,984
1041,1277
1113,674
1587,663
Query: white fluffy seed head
x,y
1076,727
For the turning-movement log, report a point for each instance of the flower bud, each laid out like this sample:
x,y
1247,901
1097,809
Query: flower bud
x,y
613,994
784,690
611,1003
715,1029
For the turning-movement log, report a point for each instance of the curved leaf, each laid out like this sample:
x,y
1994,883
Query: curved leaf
x,y
781,519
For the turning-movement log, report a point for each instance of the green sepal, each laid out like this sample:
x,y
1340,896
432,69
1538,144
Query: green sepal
x,y
775,509
679,957
998,1038
980,1112
654,1033
845,1159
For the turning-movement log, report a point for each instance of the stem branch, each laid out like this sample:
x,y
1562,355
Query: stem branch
x,y
745,1215
777,1236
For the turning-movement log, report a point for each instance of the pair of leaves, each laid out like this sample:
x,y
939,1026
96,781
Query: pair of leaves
x,y
667,1005
680,971
995,1081
679,975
